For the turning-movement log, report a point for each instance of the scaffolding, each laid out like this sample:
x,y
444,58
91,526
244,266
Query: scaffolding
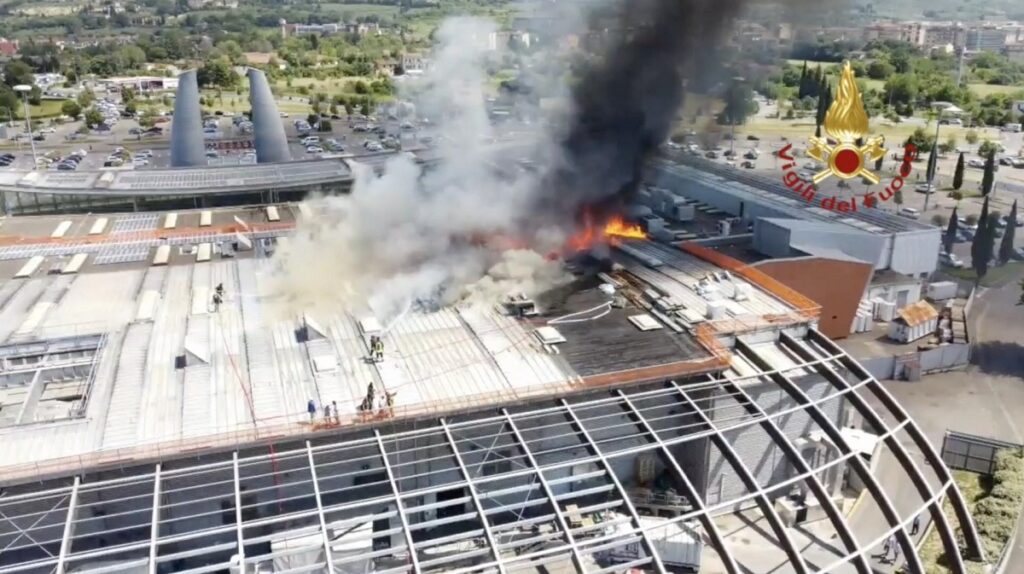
x,y
495,492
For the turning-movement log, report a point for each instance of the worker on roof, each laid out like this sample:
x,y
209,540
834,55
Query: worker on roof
x,y
311,409
378,350
217,300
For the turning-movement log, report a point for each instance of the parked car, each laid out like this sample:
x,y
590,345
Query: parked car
x,y
747,165
711,155
950,260
909,213
314,149
753,138
975,163
925,188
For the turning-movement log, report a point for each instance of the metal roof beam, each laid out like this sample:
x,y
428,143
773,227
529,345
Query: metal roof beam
x,y
398,503
871,483
69,528
238,510
813,482
974,543
562,523
796,559
154,527
691,492
320,510
652,551
476,498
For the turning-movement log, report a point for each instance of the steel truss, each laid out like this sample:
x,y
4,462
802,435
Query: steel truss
x,y
472,495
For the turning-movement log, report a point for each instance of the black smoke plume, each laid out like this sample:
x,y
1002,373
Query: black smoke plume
x,y
624,104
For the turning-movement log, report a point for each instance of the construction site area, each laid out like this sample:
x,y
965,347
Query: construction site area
x,y
157,416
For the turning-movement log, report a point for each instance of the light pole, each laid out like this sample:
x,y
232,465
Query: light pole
x,y
25,89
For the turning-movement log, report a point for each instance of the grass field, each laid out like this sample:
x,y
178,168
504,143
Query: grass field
x,y
986,89
46,109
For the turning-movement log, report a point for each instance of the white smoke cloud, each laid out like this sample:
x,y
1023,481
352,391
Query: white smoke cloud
x,y
411,234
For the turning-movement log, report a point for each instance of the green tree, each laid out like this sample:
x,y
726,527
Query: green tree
x,y
948,145
981,246
922,140
17,72
958,175
93,117
971,136
957,196
938,220
217,73
950,236
739,104
86,98
1006,246
71,109
989,176
971,219
880,70
35,96
803,88
987,147
901,90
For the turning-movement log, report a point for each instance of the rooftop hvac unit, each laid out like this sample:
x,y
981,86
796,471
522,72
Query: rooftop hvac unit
x,y
724,227
716,310
743,291
520,306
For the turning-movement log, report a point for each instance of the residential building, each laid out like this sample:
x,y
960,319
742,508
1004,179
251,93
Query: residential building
x,y
985,40
8,48
415,63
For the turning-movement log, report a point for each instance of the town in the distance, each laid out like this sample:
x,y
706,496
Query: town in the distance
x,y
511,286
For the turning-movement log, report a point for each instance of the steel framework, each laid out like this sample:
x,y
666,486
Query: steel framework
x,y
477,493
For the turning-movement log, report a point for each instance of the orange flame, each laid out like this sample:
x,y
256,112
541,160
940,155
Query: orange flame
x,y
615,229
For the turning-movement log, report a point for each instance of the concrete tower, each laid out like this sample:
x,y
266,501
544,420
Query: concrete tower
x,y
187,148
268,132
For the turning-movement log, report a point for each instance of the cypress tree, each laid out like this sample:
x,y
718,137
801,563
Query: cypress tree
x,y
988,178
950,236
802,90
981,247
1006,246
958,175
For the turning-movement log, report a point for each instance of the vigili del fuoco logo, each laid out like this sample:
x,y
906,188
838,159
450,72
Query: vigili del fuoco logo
x,y
845,153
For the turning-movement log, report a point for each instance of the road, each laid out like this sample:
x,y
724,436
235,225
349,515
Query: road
x,y
987,399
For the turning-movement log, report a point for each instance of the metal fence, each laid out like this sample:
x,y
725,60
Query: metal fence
x,y
961,451
910,366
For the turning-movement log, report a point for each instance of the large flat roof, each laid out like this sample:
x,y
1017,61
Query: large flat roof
x,y
763,188
167,370
178,181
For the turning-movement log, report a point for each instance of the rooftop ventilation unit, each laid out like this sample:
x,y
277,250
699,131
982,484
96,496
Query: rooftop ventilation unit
x,y
549,336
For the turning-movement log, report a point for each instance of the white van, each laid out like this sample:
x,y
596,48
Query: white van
x,y
910,213
1012,128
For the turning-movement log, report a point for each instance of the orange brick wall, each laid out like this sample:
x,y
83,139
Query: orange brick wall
x,y
835,285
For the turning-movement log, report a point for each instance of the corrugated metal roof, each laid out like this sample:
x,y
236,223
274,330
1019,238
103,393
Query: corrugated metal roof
x,y
917,313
